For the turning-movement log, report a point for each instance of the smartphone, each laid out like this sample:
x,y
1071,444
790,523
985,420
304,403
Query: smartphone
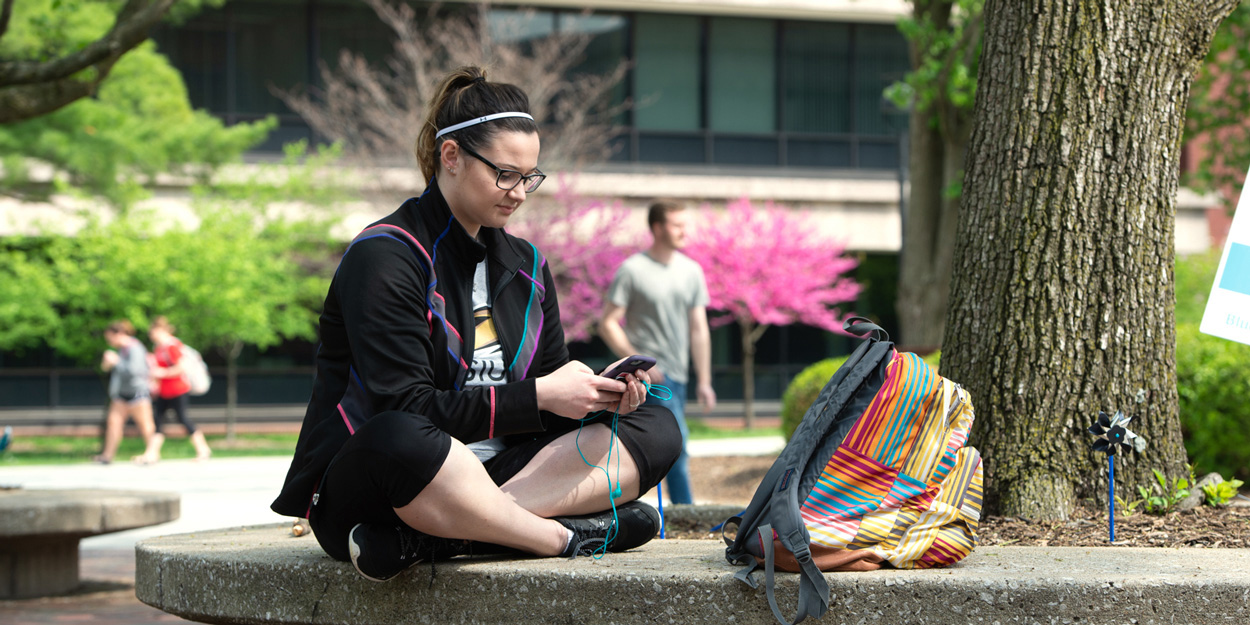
x,y
629,365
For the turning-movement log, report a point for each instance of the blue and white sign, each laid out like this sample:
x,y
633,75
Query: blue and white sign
x,y
1228,309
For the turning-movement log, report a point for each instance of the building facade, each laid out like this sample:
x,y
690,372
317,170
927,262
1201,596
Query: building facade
x,y
768,99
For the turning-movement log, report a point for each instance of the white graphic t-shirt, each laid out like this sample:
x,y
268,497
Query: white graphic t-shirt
x,y
487,368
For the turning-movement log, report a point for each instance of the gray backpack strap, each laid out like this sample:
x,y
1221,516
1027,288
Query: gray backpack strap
x,y
813,589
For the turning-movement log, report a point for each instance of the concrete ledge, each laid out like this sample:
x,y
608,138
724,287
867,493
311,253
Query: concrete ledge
x,y
40,530
81,512
261,574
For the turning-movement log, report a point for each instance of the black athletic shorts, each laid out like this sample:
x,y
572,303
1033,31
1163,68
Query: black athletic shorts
x,y
394,455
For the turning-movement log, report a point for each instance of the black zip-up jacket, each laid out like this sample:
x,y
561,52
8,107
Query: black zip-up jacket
x,y
397,336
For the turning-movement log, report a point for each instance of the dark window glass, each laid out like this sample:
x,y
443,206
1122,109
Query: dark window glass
x,y
272,51
818,153
198,51
606,51
744,150
880,59
878,154
817,78
666,72
742,76
619,147
520,26
663,148
351,25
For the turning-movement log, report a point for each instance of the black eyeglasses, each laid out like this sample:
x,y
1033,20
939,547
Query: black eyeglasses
x,y
508,179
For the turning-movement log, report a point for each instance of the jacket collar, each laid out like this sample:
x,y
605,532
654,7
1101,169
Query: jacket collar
x,y
434,213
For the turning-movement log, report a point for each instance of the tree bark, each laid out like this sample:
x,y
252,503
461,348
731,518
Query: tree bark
x,y
1062,300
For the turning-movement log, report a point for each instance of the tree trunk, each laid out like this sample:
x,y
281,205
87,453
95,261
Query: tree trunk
x,y
232,388
938,141
751,333
929,222
748,372
1062,300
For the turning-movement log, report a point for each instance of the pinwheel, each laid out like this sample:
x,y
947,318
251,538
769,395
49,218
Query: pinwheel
x,y
1110,434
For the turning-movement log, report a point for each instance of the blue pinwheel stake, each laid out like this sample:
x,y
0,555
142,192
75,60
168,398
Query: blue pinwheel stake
x,y
1110,435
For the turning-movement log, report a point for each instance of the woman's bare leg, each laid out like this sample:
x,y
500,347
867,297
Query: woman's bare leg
x,y
558,482
147,427
113,425
463,502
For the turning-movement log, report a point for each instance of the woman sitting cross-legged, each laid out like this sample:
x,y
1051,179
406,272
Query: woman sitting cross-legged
x,y
446,417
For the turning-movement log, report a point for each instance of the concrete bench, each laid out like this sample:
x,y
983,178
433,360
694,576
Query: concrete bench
x,y
40,530
262,574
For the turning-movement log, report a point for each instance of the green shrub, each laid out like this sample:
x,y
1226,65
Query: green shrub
x,y
1213,381
1212,377
803,390
805,387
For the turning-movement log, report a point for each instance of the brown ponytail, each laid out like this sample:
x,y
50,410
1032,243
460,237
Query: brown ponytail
x,y
463,95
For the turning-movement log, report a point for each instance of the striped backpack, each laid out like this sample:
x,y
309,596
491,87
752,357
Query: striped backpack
x,y
876,474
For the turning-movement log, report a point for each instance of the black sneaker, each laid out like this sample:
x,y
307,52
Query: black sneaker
x,y
381,552
639,523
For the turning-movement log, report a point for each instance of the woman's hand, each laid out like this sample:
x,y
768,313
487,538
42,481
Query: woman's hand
x,y
636,388
574,391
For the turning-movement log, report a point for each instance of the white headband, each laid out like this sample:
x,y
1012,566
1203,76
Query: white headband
x,y
474,122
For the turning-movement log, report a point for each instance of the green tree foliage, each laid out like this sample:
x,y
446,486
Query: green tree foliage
x,y
1218,102
945,38
254,271
139,124
54,52
1212,377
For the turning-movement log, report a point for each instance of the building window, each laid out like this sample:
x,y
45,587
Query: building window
x,y
707,90
742,76
817,92
666,72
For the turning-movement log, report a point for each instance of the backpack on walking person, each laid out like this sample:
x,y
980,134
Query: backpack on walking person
x,y
876,474
195,371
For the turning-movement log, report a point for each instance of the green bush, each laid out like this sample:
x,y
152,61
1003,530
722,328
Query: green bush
x,y
803,390
1213,381
805,387
1212,377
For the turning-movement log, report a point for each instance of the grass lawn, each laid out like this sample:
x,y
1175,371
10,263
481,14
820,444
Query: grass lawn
x,y
68,449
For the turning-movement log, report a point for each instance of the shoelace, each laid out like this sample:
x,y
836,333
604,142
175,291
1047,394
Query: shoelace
x,y
584,548
410,544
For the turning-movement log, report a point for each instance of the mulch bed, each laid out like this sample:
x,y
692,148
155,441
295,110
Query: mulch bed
x,y
733,481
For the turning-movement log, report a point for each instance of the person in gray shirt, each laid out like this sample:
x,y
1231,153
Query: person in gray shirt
x,y
129,388
660,296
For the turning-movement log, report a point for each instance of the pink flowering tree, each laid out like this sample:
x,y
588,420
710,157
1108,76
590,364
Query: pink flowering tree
x,y
770,267
584,240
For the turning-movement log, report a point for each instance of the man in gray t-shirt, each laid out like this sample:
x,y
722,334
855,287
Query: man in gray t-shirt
x,y
661,297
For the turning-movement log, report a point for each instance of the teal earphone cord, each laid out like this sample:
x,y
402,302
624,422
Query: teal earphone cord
x,y
614,491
